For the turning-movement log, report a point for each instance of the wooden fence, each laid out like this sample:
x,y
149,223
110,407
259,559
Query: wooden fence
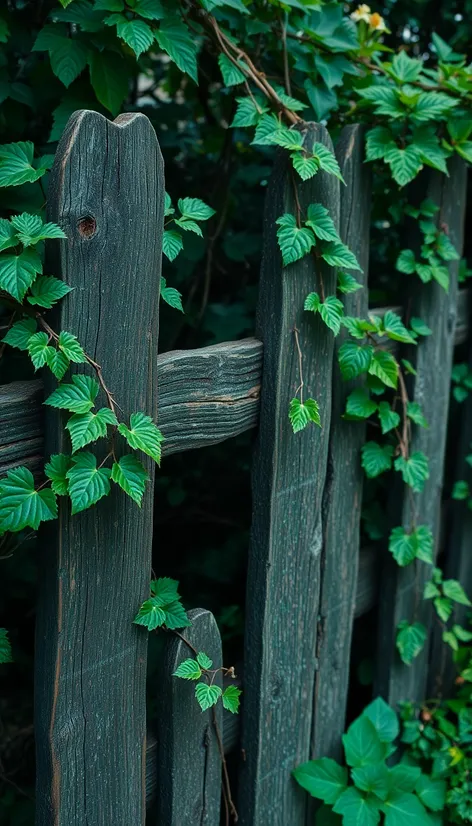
x,y
308,579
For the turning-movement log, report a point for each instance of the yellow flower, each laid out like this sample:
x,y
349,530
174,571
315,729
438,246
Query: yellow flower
x,y
377,23
361,13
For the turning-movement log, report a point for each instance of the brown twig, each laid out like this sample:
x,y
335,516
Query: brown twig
x,y
227,785
405,437
288,86
300,387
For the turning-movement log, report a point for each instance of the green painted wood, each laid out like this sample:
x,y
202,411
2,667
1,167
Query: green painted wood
x,y
286,540
402,588
345,477
188,756
107,192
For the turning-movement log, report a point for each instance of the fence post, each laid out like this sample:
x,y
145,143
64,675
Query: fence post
x,y
107,193
188,755
402,588
343,491
286,540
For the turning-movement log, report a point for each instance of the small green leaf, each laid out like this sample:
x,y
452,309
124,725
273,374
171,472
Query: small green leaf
x,y
143,435
376,459
389,419
403,778
406,262
395,329
354,359
165,590
150,615
85,428
248,111
188,670
171,296
461,490
379,141
78,397
87,483
207,695
46,291
410,640
57,362
230,698
454,590
331,311
384,720
312,302
204,660
136,34
232,76
385,367
30,229
18,272
415,413
336,254
404,163
305,166
320,221
359,405
21,505
16,164
195,209
300,414
176,615
327,160
409,367
56,470
323,778
419,327
71,348
415,470
372,779
347,283
294,242
38,349
8,237
130,474
172,244
5,648
407,546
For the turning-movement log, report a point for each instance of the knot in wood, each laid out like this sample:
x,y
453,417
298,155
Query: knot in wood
x,y
87,226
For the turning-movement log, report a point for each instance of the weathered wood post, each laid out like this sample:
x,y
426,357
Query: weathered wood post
x,y
107,193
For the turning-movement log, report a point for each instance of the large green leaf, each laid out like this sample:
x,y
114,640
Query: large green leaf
x,y
20,333
143,435
39,349
16,164
109,78
207,695
357,809
385,367
362,745
22,506
47,290
395,329
17,272
71,348
359,405
87,482
402,808
195,209
78,397
175,39
404,163
324,779
131,476
232,76
88,427
136,34
151,615
354,359
294,242
336,254
320,221
188,670
331,311
416,544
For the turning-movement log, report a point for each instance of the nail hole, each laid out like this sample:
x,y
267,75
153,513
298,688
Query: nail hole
x,y
87,226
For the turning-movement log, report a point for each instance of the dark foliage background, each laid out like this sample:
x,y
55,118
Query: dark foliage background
x,y
203,503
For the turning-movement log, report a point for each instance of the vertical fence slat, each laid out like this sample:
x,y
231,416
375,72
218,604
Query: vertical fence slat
x,y
343,491
288,481
91,659
188,757
402,588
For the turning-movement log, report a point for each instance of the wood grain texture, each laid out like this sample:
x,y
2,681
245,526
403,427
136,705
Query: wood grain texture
x,y
286,539
188,757
91,659
402,588
343,490
21,425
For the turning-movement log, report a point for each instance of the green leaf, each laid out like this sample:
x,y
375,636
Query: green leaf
x,y
8,237
359,405
354,359
207,695
415,413
409,367
290,102
461,490
432,793
327,160
30,229
320,221
5,648
362,745
441,275
389,419
385,367
406,262
57,362
402,808
305,166
415,470
204,660
68,58
432,106
143,435
171,296
294,242
384,719
88,427
22,506
301,414
336,254
405,69
38,349
109,78
20,333
322,99
172,244
78,397
376,459
432,153
395,329
130,475
232,76
17,272
445,248
404,163
464,150
347,283
331,311
444,608
150,615
176,615
410,640
324,779
407,546
150,9
16,164
46,290
379,141
312,302
188,670
195,209
403,777
230,698
56,470
71,348
454,590
137,34
87,483
419,327
357,809
372,779
165,589
175,39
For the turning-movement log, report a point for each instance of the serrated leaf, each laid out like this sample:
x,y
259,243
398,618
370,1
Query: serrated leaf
x,y
359,405
248,111
404,68
172,243
415,413
109,78
301,414
22,506
406,262
188,670
204,660
410,640
445,248
176,615
294,242
376,459
8,236
327,160
5,648
354,359
150,9
347,283
312,302
285,137
305,166
404,163
71,348
16,164
56,470
385,367
136,34
175,39
389,419
188,226
87,483
379,141
38,349
47,290
85,428
130,474
336,254
195,209
151,615
165,589
415,470
207,695
395,329
20,333
432,106
331,311
17,272
323,778
78,397
143,435
320,221
230,698
68,59
57,362
232,76
407,546
454,590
